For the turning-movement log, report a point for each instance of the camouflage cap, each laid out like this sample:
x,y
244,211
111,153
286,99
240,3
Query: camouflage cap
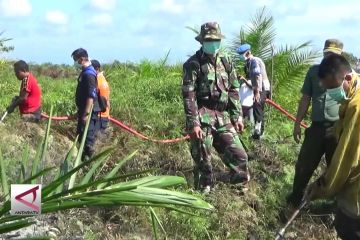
x,y
211,31
334,46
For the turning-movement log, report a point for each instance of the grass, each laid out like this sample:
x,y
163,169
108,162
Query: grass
x,y
147,96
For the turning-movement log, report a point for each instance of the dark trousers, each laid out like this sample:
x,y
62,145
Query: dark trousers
x,y
90,137
319,140
33,116
347,228
258,108
104,124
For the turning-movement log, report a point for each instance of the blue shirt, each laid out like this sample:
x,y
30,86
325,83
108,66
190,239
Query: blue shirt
x,y
86,88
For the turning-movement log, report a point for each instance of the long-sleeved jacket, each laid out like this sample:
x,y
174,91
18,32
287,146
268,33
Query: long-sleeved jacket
x,y
342,177
210,91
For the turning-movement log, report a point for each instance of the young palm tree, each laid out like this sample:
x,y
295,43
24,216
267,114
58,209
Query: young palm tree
x,y
67,190
285,65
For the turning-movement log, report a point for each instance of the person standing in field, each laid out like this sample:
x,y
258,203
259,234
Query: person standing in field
x,y
319,139
86,97
29,99
210,92
342,176
256,72
104,93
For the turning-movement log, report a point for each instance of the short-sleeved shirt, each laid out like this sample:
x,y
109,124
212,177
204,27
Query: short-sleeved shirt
x,y
87,88
324,108
256,72
104,91
33,101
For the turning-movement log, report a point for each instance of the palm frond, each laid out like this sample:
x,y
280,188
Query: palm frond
x,y
259,33
291,64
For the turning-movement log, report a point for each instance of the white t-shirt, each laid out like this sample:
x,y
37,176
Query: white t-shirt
x,y
246,95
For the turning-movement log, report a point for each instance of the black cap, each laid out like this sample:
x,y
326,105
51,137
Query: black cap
x,y
78,53
95,64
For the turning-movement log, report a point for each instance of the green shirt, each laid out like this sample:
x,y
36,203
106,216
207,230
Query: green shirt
x,y
324,108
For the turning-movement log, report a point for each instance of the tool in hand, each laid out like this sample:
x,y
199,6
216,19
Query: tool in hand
x,y
281,232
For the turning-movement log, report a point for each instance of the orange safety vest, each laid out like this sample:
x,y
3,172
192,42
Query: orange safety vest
x,y
104,91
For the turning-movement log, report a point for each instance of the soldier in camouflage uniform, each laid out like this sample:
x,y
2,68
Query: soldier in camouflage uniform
x,y
213,111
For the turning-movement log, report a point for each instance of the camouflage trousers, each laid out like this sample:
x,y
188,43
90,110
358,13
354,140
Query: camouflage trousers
x,y
226,142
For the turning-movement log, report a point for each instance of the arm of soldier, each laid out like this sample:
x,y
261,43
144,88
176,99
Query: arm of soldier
x,y
189,96
345,159
301,112
234,105
303,105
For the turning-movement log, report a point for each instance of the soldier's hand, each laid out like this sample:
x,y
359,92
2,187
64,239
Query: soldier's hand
x,y
196,132
297,132
239,126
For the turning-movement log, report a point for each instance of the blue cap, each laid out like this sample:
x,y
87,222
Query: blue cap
x,y
243,48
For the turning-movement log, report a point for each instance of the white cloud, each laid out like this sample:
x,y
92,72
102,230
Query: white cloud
x,y
102,19
168,6
15,8
56,17
105,5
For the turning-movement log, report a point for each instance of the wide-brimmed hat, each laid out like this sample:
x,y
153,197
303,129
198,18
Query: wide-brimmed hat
x,y
210,31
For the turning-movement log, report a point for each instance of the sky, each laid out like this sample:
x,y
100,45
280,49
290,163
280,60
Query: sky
x,y
129,30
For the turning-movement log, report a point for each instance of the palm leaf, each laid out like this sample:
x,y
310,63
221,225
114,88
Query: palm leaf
x,y
8,227
80,151
155,222
4,182
259,33
116,169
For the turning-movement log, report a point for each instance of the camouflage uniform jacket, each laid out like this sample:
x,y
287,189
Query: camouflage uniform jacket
x,y
210,91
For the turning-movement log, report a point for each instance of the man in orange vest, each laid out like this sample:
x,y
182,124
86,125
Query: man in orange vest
x,y
104,92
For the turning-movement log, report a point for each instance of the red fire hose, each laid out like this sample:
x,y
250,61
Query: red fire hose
x,y
283,111
126,128
142,136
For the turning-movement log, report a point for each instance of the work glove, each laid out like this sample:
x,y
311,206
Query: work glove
x,y
13,105
10,109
